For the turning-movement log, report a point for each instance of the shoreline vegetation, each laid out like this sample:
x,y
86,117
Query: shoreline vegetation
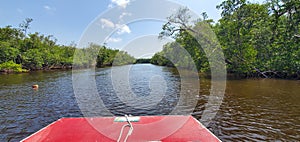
x,y
258,40
22,52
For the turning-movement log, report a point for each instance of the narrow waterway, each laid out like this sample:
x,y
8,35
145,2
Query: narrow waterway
x,y
252,110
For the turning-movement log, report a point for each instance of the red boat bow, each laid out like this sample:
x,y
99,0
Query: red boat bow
x,y
145,128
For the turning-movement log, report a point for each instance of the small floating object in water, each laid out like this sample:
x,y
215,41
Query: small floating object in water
x,y
35,86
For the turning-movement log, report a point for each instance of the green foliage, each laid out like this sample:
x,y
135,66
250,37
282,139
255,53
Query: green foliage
x,y
7,53
161,60
260,38
123,58
109,57
106,57
86,57
257,39
33,59
143,61
10,66
34,51
185,52
173,55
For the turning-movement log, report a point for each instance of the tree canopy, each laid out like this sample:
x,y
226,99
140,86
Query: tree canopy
x,y
257,39
22,51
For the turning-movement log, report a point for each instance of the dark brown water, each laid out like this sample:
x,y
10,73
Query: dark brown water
x,y
252,110
259,110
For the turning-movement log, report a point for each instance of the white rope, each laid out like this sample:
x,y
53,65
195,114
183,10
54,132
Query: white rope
x,y
129,132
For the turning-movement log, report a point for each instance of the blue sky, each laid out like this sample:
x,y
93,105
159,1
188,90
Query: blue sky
x,y
68,20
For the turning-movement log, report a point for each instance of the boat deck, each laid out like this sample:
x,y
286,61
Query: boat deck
x,y
145,128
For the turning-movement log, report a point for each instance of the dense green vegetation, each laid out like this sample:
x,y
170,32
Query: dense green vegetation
x,y
143,61
21,52
257,39
100,56
10,66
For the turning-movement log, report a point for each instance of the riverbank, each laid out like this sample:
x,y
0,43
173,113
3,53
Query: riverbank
x,y
55,68
254,75
231,76
21,70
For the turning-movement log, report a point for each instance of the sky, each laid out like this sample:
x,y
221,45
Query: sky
x,y
82,21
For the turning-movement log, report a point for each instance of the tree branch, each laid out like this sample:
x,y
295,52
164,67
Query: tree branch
x,y
262,73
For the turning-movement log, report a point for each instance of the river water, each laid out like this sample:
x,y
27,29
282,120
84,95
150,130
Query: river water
x,y
252,109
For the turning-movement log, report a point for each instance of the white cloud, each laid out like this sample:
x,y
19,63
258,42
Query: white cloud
x,y
124,14
114,40
121,3
121,29
49,9
110,5
107,23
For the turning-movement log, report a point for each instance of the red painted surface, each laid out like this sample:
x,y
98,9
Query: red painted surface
x,y
149,128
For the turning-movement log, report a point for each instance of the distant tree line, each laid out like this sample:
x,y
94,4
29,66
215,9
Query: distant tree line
x,y
143,61
258,40
22,52
100,56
